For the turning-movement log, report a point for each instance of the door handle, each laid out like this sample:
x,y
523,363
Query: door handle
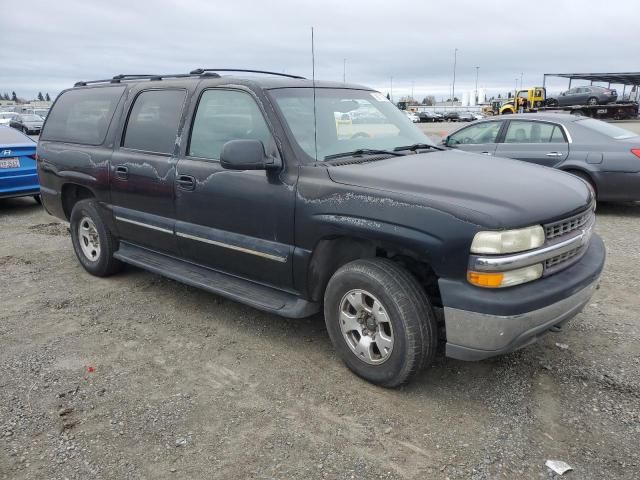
x,y
186,182
486,153
554,154
122,172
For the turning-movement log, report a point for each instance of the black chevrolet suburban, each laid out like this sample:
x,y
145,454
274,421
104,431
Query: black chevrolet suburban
x,y
295,196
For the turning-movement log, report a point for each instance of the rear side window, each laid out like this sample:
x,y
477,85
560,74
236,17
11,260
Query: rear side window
x,y
82,116
154,120
533,132
225,115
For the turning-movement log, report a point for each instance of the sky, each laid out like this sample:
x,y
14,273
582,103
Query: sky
x,y
50,45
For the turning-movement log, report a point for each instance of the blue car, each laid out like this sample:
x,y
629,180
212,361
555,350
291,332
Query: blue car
x,y
18,177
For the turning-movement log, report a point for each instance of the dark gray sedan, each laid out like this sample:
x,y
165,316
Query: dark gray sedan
x,y
603,154
27,123
588,95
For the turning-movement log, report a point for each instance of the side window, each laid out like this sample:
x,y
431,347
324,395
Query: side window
x,y
153,122
529,132
82,115
225,115
485,132
557,136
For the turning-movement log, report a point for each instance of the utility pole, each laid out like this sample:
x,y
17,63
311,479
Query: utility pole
x,y
453,85
477,99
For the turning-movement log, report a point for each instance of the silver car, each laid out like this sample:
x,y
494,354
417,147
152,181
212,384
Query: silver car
x,y
589,95
606,156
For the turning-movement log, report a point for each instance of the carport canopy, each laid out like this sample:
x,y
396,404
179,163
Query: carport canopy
x,y
624,78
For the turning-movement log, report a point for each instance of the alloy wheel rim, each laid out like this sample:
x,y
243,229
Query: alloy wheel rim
x,y
89,239
366,327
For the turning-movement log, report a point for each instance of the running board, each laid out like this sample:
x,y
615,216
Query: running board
x,y
244,291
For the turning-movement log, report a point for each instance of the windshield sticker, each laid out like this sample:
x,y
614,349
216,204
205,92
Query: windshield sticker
x,y
379,97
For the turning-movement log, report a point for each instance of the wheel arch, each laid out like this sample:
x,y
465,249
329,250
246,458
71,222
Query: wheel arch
x,y
72,193
331,253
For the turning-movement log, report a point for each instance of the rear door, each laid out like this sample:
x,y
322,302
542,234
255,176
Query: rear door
x,y
142,169
239,222
478,138
543,143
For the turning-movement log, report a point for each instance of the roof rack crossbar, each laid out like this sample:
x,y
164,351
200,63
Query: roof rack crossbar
x,y
125,77
201,71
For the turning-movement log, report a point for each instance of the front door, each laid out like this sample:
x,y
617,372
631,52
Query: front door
x,y
239,222
477,138
543,143
143,170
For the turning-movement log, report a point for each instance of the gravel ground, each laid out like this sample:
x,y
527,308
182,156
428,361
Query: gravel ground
x,y
137,376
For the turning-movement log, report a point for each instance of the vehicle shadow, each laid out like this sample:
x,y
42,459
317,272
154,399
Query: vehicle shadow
x,y
625,209
18,205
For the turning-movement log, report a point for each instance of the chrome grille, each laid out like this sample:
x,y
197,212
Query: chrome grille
x,y
568,225
563,257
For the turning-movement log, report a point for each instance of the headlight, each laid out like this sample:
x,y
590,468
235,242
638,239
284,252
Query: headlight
x,y
508,241
505,279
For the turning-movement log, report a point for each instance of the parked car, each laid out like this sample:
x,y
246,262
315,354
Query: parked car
x,y
18,177
429,117
6,117
477,116
413,116
451,116
240,187
466,117
603,154
27,123
589,95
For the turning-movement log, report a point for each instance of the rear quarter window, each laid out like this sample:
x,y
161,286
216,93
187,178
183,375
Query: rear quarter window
x,y
82,116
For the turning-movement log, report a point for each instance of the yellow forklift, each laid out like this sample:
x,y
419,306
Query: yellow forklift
x,y
529,99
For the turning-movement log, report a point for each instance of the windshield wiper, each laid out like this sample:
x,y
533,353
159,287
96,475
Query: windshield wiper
x,y
364,151
418,146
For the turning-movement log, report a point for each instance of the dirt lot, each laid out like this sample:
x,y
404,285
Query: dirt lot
x,y
137,376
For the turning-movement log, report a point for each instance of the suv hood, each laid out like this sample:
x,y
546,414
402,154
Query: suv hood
x,y
488,191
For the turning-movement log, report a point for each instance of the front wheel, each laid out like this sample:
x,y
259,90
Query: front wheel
x,y
92,241
380,321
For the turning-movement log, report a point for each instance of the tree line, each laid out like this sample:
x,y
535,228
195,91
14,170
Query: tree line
x,y
15,98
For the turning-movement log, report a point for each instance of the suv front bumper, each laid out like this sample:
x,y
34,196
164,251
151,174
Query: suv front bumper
x,y
481,323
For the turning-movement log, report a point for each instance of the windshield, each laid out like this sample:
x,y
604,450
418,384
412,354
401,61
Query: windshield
x,y
607,129
31,118
347,120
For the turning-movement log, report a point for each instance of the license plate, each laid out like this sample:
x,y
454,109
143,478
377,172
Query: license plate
x,y
9,163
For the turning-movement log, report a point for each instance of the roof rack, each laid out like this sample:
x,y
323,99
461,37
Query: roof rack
x,y
201,72
204,71
122,76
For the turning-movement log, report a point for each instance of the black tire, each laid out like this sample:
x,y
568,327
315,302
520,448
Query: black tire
x,y
592,101
38,199
578,113
104,264
408,310
552,102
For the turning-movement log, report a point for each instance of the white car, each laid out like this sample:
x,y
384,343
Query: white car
x,y
5,117
412,116
477,116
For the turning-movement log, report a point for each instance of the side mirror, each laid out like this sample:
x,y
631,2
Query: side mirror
x,y
445,141
246,155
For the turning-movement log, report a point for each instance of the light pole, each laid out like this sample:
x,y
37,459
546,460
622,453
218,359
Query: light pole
x,y
477,99
412,82
344,70
521,75
453,85
391,88
515,91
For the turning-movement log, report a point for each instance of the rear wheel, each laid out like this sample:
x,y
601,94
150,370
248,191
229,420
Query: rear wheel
x,y
38,199
577,113
92,241
380,321
592,101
